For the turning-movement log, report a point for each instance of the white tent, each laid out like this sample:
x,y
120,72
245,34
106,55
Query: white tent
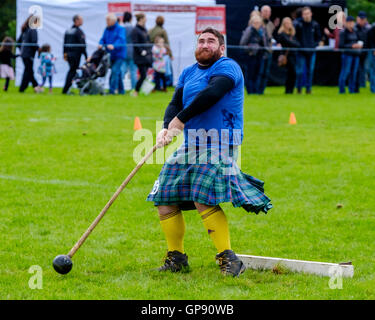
x,y
57,17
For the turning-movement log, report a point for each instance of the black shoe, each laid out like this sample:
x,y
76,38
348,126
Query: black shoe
x,y
230,264
175,262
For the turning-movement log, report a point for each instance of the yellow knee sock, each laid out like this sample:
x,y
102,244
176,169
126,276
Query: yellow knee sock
x,y
216,224
173,226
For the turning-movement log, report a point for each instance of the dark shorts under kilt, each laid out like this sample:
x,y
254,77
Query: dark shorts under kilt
x,y
182,182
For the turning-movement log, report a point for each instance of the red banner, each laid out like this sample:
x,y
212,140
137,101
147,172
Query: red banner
x,y
163,8
119,8
210,17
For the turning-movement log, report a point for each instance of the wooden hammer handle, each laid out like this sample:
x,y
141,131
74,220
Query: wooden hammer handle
x,y
105,209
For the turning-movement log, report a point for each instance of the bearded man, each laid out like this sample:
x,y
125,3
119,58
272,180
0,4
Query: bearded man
x,y
208,106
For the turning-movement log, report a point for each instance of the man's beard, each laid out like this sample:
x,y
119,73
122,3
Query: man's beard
x,y
207,56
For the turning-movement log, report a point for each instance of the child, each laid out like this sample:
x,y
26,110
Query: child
x,y
158,53
6,56
91,65
47,67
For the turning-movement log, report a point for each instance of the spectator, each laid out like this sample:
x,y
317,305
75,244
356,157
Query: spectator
x,y
269,28
142,51
159,31
361,28
350,59
29,46
297,16
371,54
168,68
129,60
335,34
252,14
6,56
47,67
308,35
114,41
74,48
286,37
253,37
159,65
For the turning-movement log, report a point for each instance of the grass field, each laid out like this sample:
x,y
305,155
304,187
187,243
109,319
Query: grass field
x,y
62,158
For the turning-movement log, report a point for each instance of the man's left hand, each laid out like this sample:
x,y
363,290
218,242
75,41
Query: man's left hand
x,y
175,127
110,47
176,124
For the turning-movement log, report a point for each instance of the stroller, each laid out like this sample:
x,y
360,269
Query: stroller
x,y
87,76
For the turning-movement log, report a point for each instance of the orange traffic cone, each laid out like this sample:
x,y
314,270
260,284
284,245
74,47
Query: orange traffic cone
x,y
292,118
137,124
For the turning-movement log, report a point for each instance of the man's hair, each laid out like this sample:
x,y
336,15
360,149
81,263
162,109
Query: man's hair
x,y
216,33
111,16
306,8
139,16
127,16
265,7
159,21
76,17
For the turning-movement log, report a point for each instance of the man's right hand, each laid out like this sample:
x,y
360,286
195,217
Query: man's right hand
x,y
163,138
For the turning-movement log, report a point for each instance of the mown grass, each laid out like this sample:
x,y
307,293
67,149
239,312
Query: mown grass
x,y
62,158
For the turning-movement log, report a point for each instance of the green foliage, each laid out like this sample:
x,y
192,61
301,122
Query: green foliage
x,y
62,158
366,5
12,25
7,18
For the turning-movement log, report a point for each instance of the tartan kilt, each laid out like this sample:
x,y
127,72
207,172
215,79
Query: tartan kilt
x,y
208,182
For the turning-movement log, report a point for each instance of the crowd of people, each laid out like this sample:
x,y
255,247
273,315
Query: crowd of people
x,y
131,48
301,35
135,50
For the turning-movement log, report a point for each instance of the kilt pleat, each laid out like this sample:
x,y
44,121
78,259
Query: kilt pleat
x,y
209,183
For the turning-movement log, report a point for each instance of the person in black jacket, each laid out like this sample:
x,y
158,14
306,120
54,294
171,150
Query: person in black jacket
x,y
350,59
142,54
308,35
371,56
269,28
29,46
254,36
361,28
72,54
286,37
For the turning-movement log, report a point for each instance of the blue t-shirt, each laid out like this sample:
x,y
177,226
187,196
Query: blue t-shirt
x,y
226,116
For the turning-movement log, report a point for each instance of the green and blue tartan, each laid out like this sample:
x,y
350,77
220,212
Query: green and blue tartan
x,y
211,183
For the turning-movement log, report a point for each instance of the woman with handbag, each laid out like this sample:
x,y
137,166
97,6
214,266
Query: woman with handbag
x,y
286,37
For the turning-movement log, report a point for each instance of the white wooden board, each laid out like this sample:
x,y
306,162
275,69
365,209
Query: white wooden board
x,y
313,267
